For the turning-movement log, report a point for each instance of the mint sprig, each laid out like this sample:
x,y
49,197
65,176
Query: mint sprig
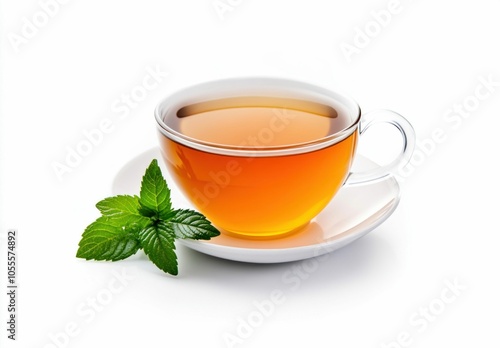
x,y
148,222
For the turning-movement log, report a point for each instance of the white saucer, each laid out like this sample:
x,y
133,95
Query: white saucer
x,y
355,211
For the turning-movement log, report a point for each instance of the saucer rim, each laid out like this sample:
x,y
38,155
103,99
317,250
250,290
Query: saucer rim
x,y
286,254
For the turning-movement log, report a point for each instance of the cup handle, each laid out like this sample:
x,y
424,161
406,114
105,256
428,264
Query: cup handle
x,y
408,134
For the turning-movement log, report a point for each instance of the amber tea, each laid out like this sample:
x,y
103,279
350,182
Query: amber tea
x,y
258,189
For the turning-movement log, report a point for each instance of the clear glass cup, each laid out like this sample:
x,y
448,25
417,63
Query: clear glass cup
x,y
260,188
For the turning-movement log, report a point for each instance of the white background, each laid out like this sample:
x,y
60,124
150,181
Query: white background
x,y
66,78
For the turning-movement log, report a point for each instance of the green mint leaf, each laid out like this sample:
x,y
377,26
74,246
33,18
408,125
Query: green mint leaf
x,y
155,194
157,242
104,240
123,211
193,225
129,223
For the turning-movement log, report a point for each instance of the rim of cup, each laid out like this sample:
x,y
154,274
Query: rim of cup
x,y
256,87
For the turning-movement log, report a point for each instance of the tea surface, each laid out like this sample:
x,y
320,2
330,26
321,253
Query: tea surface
x,y
259,122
